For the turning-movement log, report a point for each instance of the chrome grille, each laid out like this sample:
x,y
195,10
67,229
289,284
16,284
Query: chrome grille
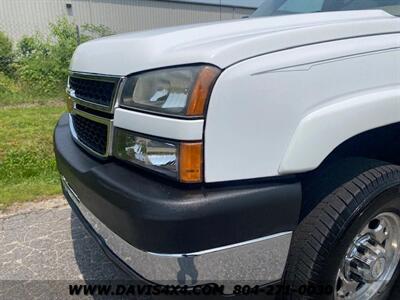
x,y
94,98
90,133
94,91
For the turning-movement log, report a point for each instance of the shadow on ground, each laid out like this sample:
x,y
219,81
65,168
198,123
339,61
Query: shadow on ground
x,y
44,251
95,265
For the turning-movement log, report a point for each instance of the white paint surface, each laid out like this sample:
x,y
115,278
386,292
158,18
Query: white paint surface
x,y
223,43
258,105
177,129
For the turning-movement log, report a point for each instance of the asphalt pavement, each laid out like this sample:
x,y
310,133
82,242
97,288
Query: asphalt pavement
x,y
43,251
44,248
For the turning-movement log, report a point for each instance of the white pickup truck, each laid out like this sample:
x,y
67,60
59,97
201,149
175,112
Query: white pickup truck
x,y
263,150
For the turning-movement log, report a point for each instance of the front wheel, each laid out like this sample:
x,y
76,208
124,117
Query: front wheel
x,y
351,241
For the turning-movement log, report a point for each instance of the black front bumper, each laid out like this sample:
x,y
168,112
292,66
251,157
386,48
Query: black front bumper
x,y
156,215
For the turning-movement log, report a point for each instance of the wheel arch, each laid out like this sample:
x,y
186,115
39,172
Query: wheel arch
x,y
325,131
366,150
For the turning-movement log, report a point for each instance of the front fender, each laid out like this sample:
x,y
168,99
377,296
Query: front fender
x,y
284,112
321,131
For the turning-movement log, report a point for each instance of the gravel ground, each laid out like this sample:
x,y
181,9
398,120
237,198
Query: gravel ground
x,y
44,245
44,248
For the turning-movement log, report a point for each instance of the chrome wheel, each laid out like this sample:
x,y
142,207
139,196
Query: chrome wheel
x,y
371,260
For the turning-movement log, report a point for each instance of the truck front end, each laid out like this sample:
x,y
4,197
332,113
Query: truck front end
x,y
132,154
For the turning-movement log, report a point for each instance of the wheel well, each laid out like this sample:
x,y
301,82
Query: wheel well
x,y
354,156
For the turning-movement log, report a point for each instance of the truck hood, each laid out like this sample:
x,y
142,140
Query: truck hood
x,y
224,43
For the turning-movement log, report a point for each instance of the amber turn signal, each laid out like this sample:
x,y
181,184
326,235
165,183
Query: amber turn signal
x,y
202,90
191,162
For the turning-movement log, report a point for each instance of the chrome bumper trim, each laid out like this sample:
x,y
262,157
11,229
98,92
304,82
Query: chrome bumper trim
x,y
259,261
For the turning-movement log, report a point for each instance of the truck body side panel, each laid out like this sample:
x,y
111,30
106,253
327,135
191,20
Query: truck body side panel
x,y
258,105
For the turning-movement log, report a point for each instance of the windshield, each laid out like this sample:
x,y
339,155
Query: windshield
x,y
286,7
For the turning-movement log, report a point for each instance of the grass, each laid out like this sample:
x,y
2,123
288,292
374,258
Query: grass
x,y
15,93
20,99
27,164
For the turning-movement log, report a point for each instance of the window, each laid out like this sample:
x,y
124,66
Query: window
x,y
296,6
285,7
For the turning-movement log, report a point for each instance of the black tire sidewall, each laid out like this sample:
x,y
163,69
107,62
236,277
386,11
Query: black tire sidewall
x,y
385,199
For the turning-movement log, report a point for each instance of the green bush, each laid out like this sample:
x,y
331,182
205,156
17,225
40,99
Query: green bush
x,y
29,45
8,87
91,31
43,63
6,54
40,64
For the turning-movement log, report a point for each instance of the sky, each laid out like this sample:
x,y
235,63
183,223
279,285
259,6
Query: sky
x,y
244,3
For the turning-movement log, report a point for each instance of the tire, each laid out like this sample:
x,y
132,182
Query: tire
x,y
325,235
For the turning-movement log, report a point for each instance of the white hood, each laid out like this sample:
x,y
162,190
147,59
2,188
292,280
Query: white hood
x,y
224,43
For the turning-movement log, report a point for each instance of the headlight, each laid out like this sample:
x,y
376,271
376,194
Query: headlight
x,y
181,91
182,161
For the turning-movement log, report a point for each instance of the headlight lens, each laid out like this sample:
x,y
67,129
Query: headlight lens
x,y
182,161
182,91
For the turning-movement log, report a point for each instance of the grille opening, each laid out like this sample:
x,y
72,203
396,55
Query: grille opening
x,y
91,134
94,91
